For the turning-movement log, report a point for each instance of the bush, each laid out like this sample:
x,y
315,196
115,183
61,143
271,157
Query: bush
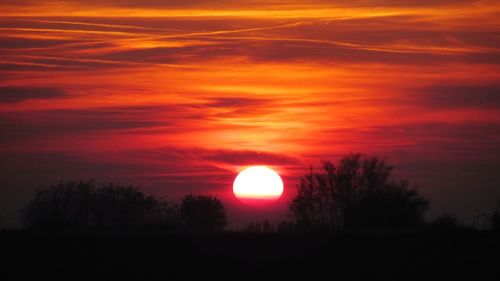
x,y
446,222
201,213
495,218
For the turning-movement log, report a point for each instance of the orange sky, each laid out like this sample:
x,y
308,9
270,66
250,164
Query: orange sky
x,y
178,97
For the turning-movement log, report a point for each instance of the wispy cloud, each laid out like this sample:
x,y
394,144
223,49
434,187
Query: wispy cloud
x,y
18,94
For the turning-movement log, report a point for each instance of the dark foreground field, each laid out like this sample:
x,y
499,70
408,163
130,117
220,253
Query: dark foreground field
x,y
139,256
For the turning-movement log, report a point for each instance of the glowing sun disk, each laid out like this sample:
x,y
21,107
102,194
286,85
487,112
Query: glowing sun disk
x,y
258,183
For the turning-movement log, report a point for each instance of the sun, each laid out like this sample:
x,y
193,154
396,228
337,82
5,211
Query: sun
x,y
258,185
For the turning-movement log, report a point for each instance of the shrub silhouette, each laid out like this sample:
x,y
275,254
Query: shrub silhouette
x,y
445,222
201,213
495,218
88,205
260,227
356,193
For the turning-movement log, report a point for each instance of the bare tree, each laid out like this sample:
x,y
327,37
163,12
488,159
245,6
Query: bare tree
x,y
356,192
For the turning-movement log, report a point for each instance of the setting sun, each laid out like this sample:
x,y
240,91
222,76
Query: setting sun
x,y
258,184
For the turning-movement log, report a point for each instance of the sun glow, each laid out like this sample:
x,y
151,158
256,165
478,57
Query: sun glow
x,y
258,184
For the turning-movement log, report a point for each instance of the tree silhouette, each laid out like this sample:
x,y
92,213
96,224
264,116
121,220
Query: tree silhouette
x,y
201,213
356,193
88,205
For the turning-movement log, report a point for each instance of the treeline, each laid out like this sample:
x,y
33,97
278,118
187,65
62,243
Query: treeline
x,y
89,205
356,193
359,193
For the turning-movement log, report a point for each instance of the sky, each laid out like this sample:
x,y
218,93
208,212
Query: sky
x,y
176,97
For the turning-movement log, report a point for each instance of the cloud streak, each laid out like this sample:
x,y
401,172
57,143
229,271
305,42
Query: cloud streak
x,y
19,94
